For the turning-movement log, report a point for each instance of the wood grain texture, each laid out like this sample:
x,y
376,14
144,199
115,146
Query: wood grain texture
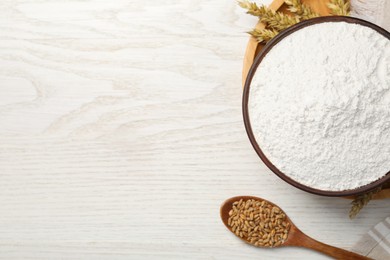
x,y
121,134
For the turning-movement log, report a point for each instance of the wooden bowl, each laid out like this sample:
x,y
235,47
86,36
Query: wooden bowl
x,y
248,128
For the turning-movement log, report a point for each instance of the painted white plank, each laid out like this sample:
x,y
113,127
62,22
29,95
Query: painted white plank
x,y
121,134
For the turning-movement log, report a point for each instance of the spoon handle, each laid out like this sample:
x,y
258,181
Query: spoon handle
x,y
337,253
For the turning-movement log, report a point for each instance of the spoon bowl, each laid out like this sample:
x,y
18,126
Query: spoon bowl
x,y
295,236
228,205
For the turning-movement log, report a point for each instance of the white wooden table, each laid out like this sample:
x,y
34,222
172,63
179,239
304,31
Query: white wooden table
x,y
121,134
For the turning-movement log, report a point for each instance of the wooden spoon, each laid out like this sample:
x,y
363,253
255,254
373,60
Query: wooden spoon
x,y
295,236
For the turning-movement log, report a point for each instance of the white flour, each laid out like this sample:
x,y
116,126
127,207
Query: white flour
x,y
319,106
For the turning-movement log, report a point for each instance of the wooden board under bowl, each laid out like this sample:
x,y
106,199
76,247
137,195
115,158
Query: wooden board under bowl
x,y
253,48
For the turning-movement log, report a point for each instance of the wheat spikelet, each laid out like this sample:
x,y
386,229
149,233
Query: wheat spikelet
x,y
360,201
300,9
273,20
251,7
264,35
276,20
339,7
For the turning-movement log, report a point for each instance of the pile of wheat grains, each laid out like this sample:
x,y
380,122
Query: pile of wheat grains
x,y
259,222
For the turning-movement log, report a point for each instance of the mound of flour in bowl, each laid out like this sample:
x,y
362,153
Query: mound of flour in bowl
x,y
319,106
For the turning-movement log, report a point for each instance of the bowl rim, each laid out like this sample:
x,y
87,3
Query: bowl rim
x,y
245,101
